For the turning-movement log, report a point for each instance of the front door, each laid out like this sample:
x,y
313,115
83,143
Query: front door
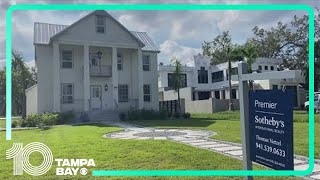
x,y
96,97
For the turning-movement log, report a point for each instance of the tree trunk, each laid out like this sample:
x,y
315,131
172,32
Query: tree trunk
x,y
179,103
23,111
2,106
230,90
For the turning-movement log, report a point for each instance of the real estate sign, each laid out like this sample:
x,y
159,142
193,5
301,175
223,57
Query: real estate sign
x,y
271,128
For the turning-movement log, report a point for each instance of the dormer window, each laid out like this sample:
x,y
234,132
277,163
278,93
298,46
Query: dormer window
x,y
100,24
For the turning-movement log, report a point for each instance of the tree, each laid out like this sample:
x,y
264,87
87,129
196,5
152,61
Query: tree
x,y
222,50
177,79
22,78
218,49
2,91
249,52
288,41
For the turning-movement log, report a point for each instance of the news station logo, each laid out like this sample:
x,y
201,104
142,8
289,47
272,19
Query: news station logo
x,y
65,167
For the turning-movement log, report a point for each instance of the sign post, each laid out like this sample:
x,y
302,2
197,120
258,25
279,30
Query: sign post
x,y
276,127
244,118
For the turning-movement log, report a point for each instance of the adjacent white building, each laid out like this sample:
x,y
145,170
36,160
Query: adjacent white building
x,y
204,80
93,64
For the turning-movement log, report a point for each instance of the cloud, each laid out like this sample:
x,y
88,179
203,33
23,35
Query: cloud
x,y
30,64
170,49
2,63
182,29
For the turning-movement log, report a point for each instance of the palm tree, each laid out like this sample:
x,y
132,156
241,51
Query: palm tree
x,y
177,79
229,80
249,51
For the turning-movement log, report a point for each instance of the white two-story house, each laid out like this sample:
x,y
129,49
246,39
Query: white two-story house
x,y
93,64
204,80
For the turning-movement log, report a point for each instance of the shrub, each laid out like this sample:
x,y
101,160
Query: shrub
x,y
23,123
31,120
176,115
122,116
148,114
186,115
169,114
65,117
134,114
14,124
84,117
46,119
163,114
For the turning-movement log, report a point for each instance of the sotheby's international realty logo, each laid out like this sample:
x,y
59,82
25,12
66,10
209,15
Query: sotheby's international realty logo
x,y
21,163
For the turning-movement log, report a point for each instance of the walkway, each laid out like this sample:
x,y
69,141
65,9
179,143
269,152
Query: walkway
x,y
199,139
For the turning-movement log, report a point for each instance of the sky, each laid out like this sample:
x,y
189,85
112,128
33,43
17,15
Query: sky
x,y
176,33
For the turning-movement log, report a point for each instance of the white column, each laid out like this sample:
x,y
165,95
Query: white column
x,y
86,78
56,77
298,96
140,79
196,95
213,95
221,94
114,78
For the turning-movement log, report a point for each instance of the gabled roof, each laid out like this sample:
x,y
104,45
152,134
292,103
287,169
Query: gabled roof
x,y
44,33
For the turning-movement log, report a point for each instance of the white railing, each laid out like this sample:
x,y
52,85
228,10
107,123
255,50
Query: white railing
x,y
105,71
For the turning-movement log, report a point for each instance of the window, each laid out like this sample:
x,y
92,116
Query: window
x,y
146,93
119,62
234,94
217,94
204,95
217,76
202,76
95,91
260,68
274,86
100,24
265,67
234,71
66,59
123,93
94,60
67,93
146,63
223,94
171,80
271,68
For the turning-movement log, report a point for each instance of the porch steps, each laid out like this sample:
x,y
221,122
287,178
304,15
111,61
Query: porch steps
x,y
104,115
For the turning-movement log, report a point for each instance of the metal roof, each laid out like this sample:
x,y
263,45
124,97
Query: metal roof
x,y
147,41
44,31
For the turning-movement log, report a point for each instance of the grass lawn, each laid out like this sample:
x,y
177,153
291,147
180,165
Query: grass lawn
x,y
227,125
2,123
86,142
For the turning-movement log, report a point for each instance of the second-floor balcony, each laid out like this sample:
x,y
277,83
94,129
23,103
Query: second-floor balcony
x,y
101,71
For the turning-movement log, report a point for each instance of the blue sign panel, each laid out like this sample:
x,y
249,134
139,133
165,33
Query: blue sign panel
x,y
271,128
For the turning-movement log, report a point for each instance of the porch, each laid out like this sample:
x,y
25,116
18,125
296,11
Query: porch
x,y
87,77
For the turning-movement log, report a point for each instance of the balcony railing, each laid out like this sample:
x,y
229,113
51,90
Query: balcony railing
x,y
101,71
